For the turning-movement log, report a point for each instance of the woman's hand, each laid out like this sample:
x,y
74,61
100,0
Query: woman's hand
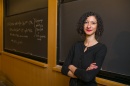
x,y
92,66
72,68
70,74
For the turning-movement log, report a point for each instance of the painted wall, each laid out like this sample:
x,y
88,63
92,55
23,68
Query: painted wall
x,y
26,72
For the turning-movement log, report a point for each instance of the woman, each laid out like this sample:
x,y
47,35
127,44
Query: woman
x,y
85,58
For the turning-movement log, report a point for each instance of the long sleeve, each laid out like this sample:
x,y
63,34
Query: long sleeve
x,y
67,62
89,75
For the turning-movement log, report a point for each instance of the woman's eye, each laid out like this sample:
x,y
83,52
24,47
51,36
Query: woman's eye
x,y
85,22
93,23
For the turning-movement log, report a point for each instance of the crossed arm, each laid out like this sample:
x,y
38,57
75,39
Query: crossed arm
x,y
72,69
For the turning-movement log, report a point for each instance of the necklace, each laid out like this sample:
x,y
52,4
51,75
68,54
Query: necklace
x,y
86,48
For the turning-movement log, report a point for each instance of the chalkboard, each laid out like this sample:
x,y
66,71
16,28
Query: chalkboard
x,y
116,36
26,34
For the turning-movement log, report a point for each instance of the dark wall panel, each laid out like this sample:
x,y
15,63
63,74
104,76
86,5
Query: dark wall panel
x,y
18,6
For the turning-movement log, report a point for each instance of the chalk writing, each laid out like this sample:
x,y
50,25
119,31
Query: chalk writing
x,y
22,29
38,25
16,41
26,34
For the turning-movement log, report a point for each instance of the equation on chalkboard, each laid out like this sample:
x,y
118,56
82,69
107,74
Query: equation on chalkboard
x,y
26,34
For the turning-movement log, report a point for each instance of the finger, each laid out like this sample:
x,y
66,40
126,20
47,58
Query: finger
x,y
93,67
94,63
87,69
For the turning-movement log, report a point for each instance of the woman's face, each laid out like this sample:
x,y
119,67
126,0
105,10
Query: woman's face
x,y
90,25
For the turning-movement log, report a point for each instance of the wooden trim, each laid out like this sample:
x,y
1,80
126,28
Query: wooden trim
x,y
52,32
108,82
57,68
1,25
26,59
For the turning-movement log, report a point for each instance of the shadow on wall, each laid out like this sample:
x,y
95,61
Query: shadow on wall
x,y
4,81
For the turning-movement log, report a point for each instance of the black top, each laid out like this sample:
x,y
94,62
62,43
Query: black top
x,y
82,61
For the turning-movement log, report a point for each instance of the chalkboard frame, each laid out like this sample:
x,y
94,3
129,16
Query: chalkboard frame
x,y
102,74
44,60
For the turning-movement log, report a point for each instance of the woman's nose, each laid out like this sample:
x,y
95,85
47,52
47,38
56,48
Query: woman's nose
x,y
89,25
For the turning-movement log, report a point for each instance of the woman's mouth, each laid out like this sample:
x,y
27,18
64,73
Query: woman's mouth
x,y
89,30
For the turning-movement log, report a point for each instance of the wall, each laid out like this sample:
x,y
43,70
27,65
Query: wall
x,y
1,24
26,72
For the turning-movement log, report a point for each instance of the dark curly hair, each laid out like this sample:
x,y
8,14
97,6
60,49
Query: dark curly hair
x,y
80,26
